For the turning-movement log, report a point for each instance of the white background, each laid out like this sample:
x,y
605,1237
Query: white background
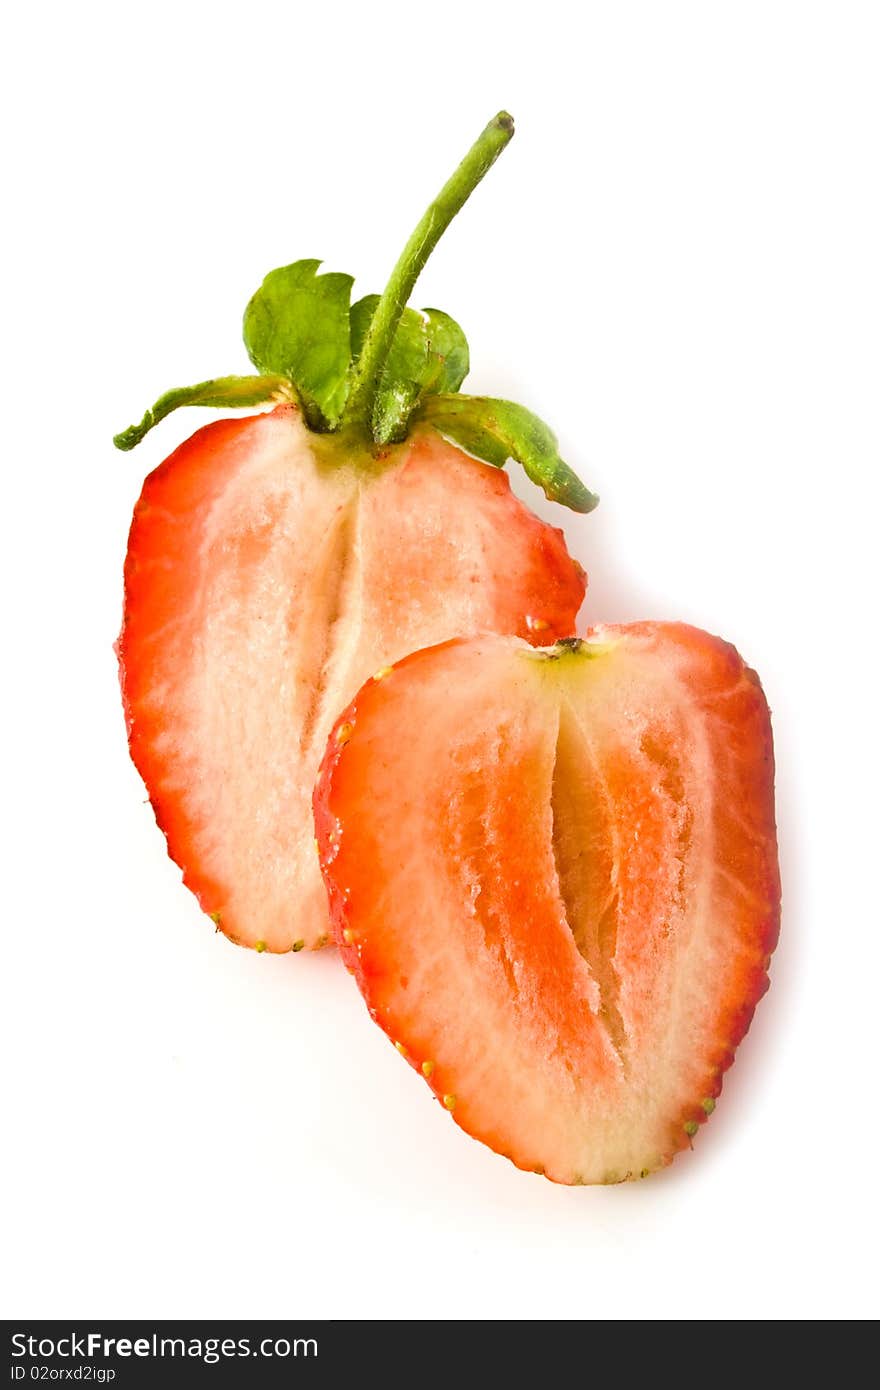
x,y
676,263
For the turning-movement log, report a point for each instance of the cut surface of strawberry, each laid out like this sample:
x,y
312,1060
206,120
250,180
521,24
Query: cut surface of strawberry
x,y
267,577
554,875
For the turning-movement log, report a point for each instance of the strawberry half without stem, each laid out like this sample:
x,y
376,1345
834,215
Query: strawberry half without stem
x,y
277,561
553,874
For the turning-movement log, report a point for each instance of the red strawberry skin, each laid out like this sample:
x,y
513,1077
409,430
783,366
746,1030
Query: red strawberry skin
x,y
554,877
269,573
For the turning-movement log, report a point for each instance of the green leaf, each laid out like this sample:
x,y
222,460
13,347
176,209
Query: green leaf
x,y
429,353
221,391
496,431
296,325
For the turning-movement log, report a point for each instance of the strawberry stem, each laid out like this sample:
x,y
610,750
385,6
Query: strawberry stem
x,y
450,200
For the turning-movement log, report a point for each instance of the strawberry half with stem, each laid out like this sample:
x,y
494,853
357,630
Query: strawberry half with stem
x,y
277,561
554,875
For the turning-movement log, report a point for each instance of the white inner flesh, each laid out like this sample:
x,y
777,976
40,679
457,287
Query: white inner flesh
x,y
267,672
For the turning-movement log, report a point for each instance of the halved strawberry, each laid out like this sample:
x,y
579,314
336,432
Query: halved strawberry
x,y
553,873
275,562
269,573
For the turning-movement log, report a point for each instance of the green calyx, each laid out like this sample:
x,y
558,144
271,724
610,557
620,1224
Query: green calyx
x,y
297,326
376,367
428,353
221,392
